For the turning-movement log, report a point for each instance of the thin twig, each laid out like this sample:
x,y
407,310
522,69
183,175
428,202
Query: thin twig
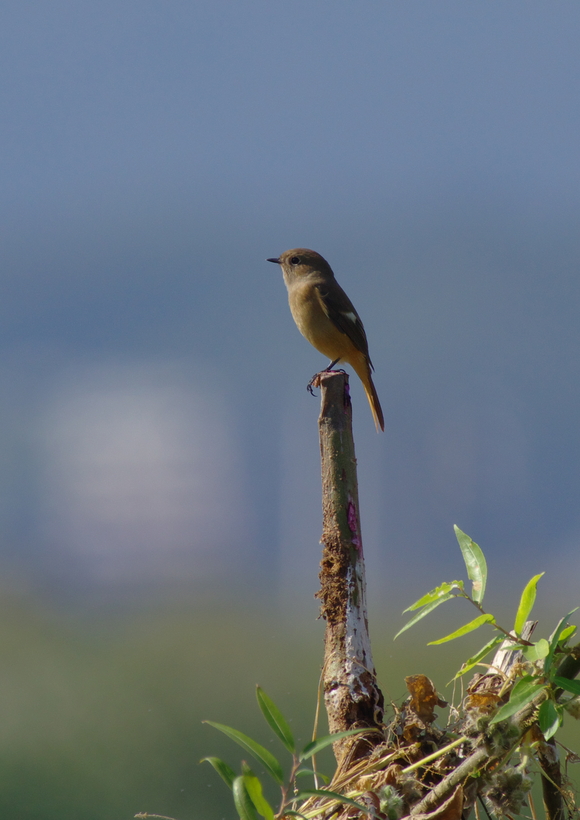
x,y
435,755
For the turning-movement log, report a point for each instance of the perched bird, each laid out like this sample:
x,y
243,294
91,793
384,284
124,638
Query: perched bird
x,y
326,317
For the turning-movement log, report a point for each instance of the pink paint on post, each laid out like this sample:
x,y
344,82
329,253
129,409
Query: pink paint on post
x,y
352,524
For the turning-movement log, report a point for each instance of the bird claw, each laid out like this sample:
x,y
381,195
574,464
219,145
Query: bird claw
x,y
314,382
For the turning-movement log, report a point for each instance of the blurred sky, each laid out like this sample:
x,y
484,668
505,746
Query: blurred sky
x,y
154,422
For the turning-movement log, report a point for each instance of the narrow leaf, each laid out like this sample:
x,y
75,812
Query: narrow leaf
x,y
435,594
261,754
340,798
523,692
479,656
549,719
555,639
289,812
311,773
226,773
527,602
320,743
536,652
474,562
254,789
243,801
463,630
275,719
572,686
567,633
514,646
425,611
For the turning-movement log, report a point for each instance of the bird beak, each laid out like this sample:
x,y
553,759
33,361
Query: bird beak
x,y
277,261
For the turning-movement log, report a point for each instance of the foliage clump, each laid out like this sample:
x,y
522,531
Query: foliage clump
x,y
497,737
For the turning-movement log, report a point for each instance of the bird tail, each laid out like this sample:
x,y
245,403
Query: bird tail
x,y
363,370
375,404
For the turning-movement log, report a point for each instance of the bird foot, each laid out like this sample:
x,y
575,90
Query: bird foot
x,y
315,380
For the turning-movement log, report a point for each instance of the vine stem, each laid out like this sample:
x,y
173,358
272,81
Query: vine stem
x,y
513,638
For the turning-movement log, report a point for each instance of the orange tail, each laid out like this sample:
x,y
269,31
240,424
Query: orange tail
x,y
375,404
363,371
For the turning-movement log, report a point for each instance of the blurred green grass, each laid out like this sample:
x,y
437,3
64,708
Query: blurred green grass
x,y
101,717
100,711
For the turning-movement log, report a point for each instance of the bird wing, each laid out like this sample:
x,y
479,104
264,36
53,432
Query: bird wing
x,y
340,310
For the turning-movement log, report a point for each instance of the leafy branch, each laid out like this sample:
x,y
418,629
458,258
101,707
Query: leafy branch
x,y
476,566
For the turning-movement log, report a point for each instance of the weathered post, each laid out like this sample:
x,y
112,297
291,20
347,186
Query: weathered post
x,y
351,694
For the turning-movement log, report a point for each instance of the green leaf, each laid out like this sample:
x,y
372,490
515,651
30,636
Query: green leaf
x,y
340,798
254,789
474,562
567,633
523,692
435,594
572,686
425,611
549,718
514,646
479,656
526,603
320,743
463,630
261,754
536,652
311,772
243,801
226,773
275,719
555,640
294,814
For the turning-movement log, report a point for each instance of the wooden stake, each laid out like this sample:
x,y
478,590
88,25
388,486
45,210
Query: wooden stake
x,y
351,693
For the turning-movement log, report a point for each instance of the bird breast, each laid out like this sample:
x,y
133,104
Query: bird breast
x,y
314,324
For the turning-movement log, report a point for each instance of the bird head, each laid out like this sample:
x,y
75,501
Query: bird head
x,y
300,263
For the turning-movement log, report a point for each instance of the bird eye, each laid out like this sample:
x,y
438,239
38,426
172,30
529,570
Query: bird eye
x,y
295,260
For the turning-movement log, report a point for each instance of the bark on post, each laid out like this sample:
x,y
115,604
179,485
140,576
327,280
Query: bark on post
x,y
351,694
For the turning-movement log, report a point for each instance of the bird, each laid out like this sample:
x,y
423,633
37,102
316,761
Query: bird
x,y
326,317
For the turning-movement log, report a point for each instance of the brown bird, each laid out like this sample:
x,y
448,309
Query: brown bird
x,y
326,317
